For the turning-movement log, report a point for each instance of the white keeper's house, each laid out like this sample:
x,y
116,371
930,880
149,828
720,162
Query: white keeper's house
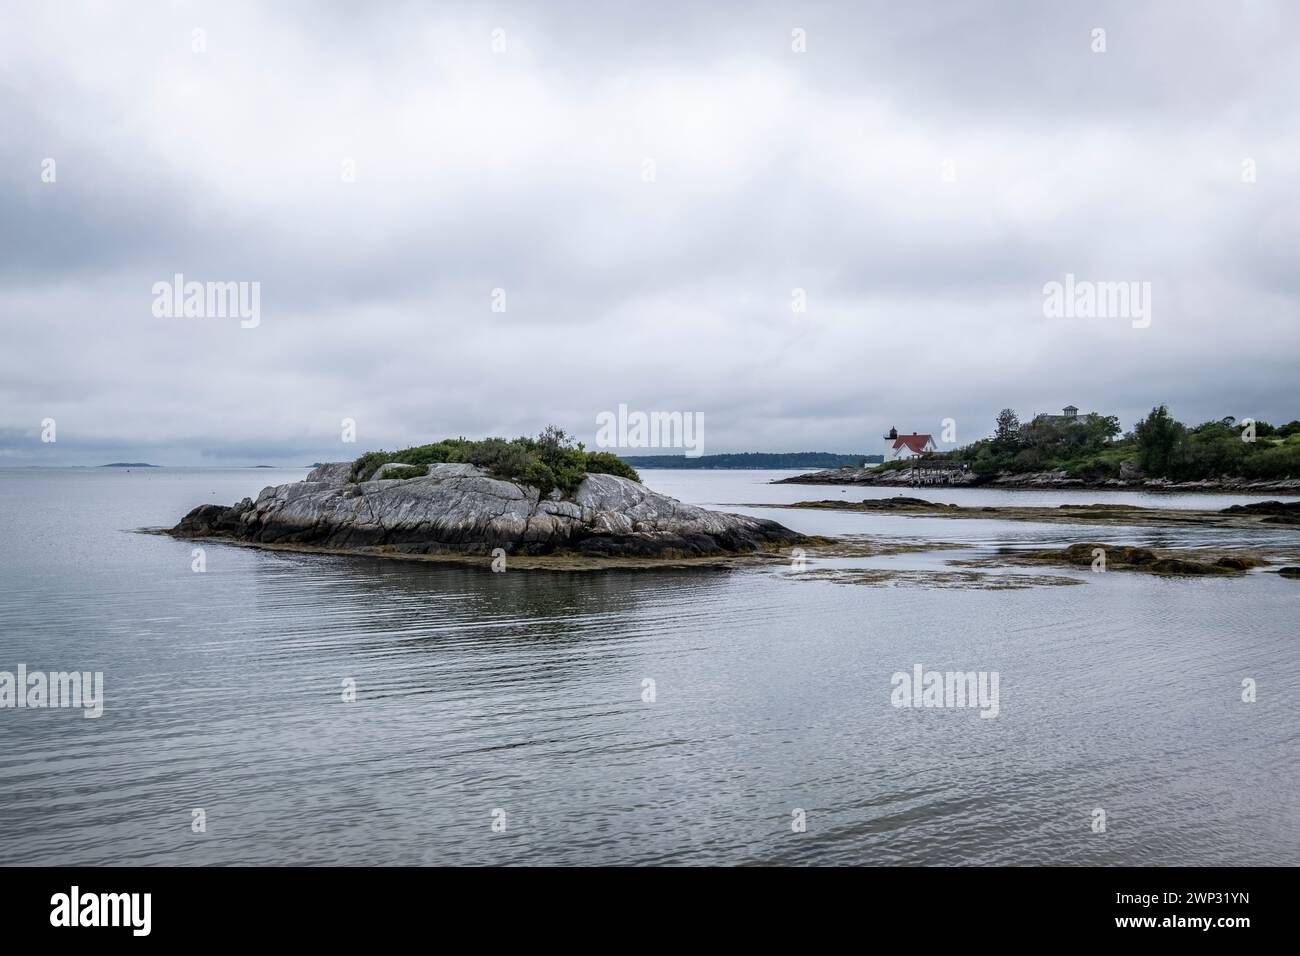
x,y
907,446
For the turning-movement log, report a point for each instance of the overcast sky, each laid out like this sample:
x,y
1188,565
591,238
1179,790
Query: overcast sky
x,y
921,170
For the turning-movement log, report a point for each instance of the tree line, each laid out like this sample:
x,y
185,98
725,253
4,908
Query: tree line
x,y
1094,447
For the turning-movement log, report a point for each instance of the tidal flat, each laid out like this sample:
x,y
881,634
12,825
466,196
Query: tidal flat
x,y
1266,513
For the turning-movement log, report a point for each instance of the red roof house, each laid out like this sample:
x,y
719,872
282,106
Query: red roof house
x,y
908,446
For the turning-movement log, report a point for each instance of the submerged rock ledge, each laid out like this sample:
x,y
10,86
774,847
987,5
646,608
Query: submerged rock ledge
x,y
459,509
1261,514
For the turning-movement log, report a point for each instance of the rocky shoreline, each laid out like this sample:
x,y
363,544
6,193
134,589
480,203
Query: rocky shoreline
x,y
1165,562
1040,480
1254,515
458,509
1222,560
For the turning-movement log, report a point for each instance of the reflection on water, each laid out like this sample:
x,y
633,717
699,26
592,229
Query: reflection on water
x,y
523,692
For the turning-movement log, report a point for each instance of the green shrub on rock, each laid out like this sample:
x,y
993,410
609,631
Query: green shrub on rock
x,y
551,461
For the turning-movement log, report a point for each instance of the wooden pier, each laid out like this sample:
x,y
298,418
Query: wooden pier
x,y
936,471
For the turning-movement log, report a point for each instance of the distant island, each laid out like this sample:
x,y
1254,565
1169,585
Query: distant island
x,y
130,464
756,460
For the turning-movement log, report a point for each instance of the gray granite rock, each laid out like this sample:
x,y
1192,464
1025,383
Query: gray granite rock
x,y
459,508
335,473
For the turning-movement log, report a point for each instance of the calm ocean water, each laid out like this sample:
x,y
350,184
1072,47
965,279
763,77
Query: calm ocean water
x,y
522,693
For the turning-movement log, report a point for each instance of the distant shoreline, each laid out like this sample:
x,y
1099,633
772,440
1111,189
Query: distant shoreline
x,y
753,461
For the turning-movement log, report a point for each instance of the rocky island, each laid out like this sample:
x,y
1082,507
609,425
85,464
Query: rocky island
x,y
410,506
1073,451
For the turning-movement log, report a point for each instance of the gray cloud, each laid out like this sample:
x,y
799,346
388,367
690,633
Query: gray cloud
x,y
523,170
